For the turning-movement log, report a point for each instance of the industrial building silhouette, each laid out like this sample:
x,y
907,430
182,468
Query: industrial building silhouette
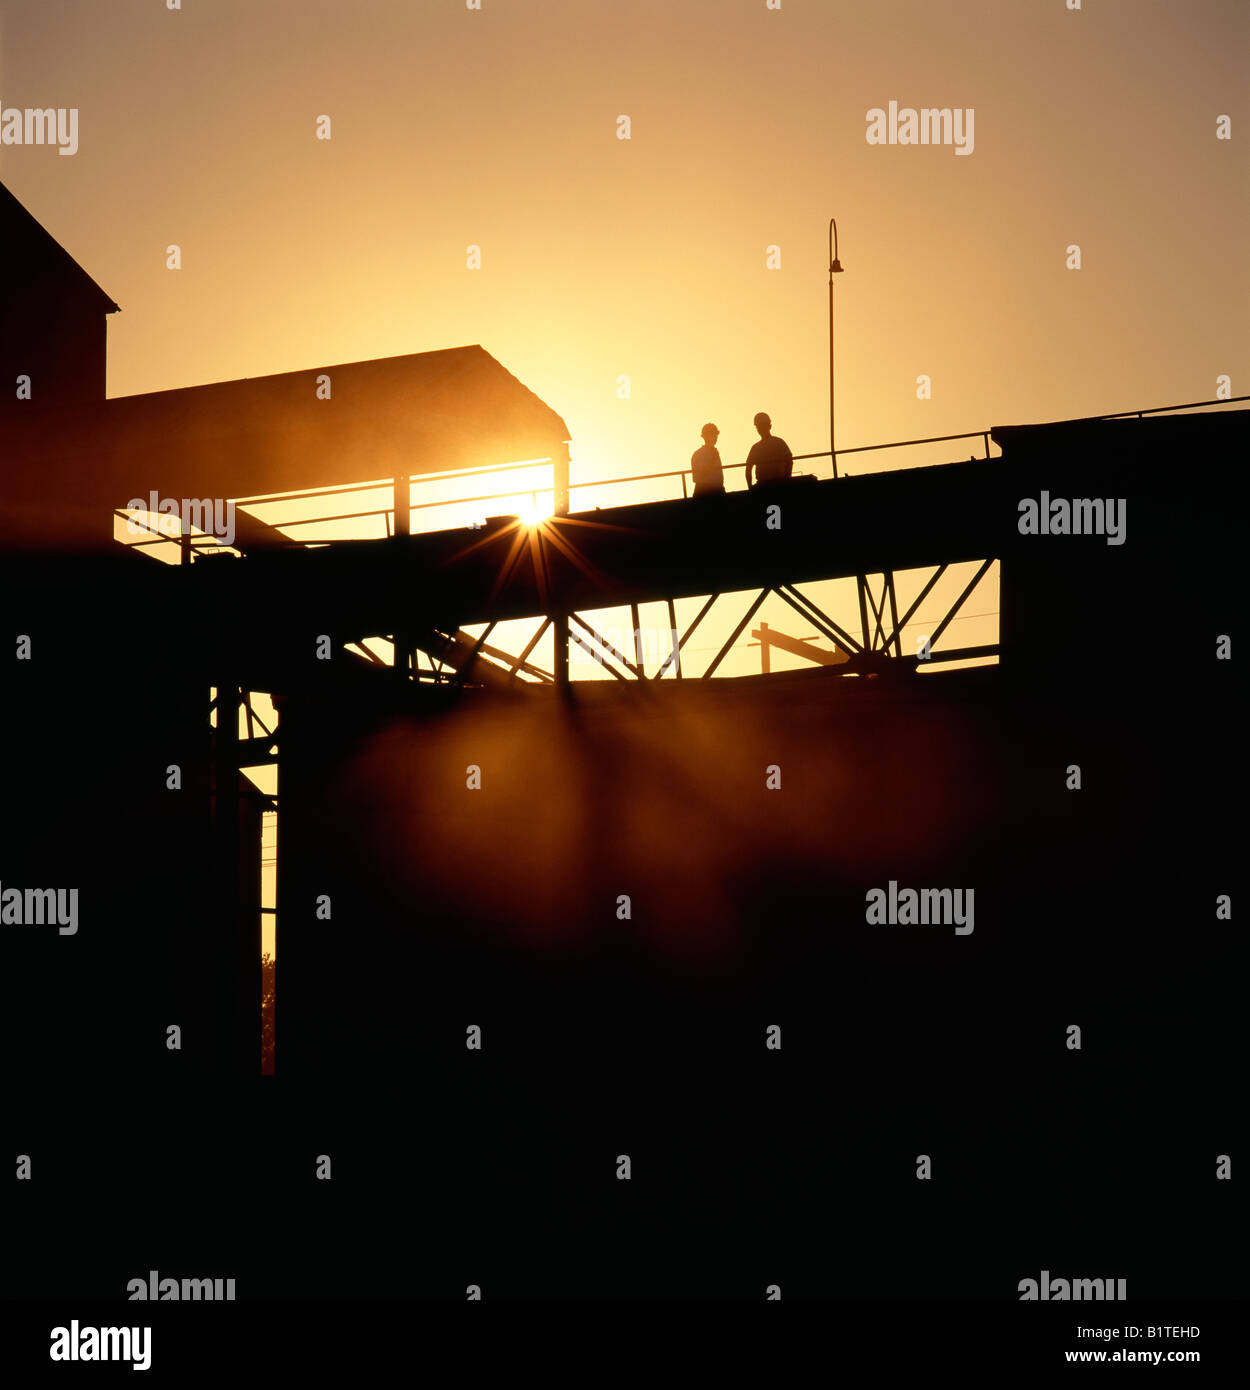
x,y
623,904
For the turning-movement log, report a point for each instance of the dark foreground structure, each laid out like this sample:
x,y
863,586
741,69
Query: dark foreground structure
x,y
651,896
605,1035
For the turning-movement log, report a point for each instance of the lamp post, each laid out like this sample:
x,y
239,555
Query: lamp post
x,y
835,267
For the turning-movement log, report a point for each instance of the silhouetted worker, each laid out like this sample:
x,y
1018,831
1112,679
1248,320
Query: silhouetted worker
x,y
770,459
705,465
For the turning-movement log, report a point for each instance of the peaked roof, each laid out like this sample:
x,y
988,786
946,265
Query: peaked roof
x,y
419,413
25,241
424,412
428,389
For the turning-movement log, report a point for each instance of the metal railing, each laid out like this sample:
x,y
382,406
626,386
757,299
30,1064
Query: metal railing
x,y
983,435
684,474
1153,410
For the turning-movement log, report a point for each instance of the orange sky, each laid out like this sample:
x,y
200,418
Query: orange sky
x,y
646,257
604,257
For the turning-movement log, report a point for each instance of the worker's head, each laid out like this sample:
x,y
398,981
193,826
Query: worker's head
x,y
710,434
763,424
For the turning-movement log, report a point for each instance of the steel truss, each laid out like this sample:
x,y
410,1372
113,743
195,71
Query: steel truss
x,y
880,623
453,657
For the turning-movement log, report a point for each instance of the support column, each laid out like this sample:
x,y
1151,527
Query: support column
x,y
898,641
233,974
560,620
560,651
403,504
560,480
861,581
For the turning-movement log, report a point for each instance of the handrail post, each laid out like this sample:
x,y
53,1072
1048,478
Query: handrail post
x,y
403,504
560,480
